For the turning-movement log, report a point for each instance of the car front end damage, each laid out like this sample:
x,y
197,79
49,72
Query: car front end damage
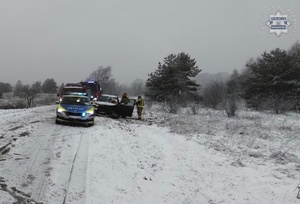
x,y
104,107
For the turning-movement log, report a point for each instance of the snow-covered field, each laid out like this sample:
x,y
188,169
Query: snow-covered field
x,y
182,158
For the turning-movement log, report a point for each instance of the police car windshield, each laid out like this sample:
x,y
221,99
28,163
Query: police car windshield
x,y
76,101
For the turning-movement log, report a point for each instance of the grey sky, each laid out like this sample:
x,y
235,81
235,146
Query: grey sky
x,y
67,40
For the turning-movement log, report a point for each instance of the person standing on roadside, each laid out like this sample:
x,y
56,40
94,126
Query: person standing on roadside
x,y
140,106
125,100
122,106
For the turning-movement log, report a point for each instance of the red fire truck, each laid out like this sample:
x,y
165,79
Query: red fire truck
x,y
89,88
92,88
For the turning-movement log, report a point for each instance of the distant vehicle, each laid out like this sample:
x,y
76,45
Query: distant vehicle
x,y
106,104
75,109
90,88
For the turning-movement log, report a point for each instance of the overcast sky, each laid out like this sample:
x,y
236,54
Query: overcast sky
x,y
67,40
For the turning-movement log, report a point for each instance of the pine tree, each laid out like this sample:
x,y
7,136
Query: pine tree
x,y
214,93
275,80
172,80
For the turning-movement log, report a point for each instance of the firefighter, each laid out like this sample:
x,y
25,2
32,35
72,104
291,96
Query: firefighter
x,y
140,106
125,100
121,108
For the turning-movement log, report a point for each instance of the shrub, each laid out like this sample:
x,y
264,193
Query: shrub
x,y
230,106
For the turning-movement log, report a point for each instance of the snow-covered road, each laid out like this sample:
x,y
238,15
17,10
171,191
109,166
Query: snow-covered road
x,y
121,161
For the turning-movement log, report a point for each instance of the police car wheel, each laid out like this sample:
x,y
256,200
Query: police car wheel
x,y
56,121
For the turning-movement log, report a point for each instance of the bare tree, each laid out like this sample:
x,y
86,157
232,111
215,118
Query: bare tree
x,y
101,74
121,88
233,91
28,92
294,49
49,86
137,87
5,87
60,89
214,94
230,106
104,77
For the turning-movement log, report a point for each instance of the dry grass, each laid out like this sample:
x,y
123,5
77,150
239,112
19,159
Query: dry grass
x,y
251,134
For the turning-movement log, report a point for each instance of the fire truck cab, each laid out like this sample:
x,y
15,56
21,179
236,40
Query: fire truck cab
x,y
90,88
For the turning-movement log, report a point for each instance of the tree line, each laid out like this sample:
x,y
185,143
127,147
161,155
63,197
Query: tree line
x,y
269,82
101,74
109,85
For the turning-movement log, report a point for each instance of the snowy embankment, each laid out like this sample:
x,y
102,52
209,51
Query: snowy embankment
x,y
183,158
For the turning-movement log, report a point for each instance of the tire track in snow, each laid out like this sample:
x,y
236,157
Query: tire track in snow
x,y
26,170
68,167
77,179
71,171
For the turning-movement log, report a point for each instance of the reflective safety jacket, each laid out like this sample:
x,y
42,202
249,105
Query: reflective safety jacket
x,y
140,103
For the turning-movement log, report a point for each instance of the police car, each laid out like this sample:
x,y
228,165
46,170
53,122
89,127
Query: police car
x,y
75,109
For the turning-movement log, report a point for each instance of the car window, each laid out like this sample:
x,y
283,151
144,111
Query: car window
x,y
76,101
104,98
131,102
109,99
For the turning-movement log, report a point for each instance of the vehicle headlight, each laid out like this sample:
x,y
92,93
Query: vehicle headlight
x,y
60,109
90,111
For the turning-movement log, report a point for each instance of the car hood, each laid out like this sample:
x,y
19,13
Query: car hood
x,y
102,103
75,108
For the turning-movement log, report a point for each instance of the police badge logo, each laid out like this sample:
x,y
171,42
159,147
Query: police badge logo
x,y
278,23
278,20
